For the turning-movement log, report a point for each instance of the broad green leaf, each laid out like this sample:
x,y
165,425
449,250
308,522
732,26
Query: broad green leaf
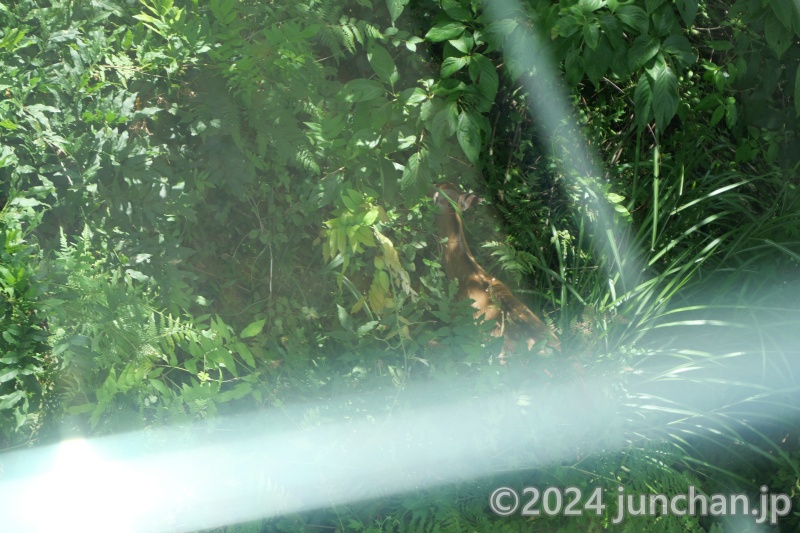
x,y
591,34
362,90
9,400
615,198
253,329
413,175
238,392
412,96
664,22
566,27
344,318
731,114
452,65
634,17
382,63
364,235
444,31
396,8
351,203
444,123
469,136
783,12
778,37
652,5
483,71
679,47
223,357
383,280
597,61
9,374
643,100
688,11
160,387
366,328
590,6
245,353
643,49
464,43
573,67
720,46
25,202
456,10
371,216
502,28
665,97
12,37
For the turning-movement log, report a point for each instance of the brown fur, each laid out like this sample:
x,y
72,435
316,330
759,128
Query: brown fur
x,y
490,296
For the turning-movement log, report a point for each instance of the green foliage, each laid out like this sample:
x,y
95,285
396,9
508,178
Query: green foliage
x,y
175,172
24,360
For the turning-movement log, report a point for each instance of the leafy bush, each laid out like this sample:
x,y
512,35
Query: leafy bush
x,y
175,172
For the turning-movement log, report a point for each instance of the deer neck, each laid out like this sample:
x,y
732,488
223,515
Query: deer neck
x,y
458,260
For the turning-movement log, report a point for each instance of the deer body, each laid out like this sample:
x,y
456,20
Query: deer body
x,y
491,298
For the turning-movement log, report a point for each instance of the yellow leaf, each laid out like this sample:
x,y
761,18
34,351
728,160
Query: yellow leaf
x,y
357,306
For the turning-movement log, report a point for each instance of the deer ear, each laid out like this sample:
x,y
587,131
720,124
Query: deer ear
x,y
465,201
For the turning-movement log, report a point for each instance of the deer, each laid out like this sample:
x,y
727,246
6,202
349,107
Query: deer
x,y
491,298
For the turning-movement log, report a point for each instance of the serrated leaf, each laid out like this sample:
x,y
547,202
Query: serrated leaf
x,y
468,134
344,318
643,100
413,173
382,63
366,328
482,71
665,97
444,123
464,43
591,34
678,46
452,65
634,17
253,329
643,49
444,31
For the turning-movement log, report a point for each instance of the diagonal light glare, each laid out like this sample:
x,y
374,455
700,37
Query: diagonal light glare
x,y
173,480
553,115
